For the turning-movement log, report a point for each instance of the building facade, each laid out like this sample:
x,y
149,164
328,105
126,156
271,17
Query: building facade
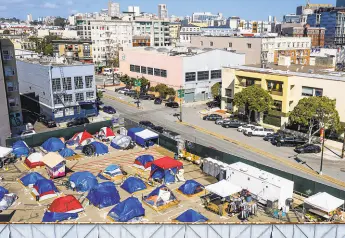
x,y
174,31
82,49
113,9
317,34
189,31
205,16
162,11
61,92
217,31
157,30
140,41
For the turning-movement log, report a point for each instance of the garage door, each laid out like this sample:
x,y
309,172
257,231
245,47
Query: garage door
x,y
189,97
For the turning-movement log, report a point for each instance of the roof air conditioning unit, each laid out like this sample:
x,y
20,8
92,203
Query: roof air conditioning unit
x,y
263,176
244,169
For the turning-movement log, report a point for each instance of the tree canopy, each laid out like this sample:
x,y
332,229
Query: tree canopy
x,y
59,21
215,89
164,90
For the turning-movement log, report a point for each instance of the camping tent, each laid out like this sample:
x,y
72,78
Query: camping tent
x,y
63,208
20,148
133,184
127,210
6,199
31,178
223,188
104,195
95,148
81,138
324,202
143,137
112,172
191,187
165,168
161,198
143,162
67,152
53,144
44,189
56,217
83,181
191,216
55,165
34,160
106,132
4,151
3,191
121,142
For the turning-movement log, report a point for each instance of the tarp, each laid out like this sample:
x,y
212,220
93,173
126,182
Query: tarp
x,y
45,186
31,178
191,216
113,170
66,204
20,148
142,136
104,195
106,132
165,168
121,142
144,161
3,191
223,188
82,138
101,148
7,201
131,132
34,160
324,202
127,210
67,152
160,196
191,187
53,144
56,217
133,184
4,151
52,159
83,181
167,163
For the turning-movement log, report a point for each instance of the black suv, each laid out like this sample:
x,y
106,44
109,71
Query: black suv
x,y
308,148
158,101
78,122
288,141
172,104
212,117
233,124
147,124
271,137
48,123
213,104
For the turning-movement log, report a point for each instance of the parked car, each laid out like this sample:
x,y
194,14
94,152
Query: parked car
x,y
258,131
158,101
172,104
28,133
131,93
270,137
158,129
41,117
213,104
118,89
109,110
308,148
245,127
222,120
233,124
49,123
78,122
288,141
123,90
147,124
212,117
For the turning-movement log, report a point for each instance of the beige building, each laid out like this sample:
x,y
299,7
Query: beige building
x,y
174,31
82,49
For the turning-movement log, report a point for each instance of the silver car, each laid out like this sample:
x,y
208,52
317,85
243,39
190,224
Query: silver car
x,y
221,121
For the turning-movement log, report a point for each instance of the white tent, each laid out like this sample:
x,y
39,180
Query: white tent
x,y
146,134
35,157
324,202
4,151
223,188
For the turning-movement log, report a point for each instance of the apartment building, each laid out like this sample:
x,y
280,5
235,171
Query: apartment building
x,y
11,113
81,49
84,27
174,32
206,16
113,9
189,31
157,30
217,31
58,90
286,85
162,11
317,34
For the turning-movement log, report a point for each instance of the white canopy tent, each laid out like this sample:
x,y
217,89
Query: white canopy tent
x,y
223,188
146,134
324,202
4,151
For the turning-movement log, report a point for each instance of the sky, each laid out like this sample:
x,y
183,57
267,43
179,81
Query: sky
x,y
246,9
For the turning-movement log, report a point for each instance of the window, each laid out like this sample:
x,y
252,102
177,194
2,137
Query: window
x,y
249,46
190,76
163,73
230,44
211,43
136,68
150,71
67,98
58,112
57,100
69,111
157,72
88,81
56,85
13,102
11,86
318,92
67,83
7,55
216,74
228,92
79,97
277,105
203,75
78,82
201,43
143,70
131,68
307,91
9,71
90,95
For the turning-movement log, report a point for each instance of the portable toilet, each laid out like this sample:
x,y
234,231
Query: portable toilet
x,y
211,167
216,169
223,171
206,165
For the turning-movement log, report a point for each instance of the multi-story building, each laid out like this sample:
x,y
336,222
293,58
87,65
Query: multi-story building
x,y
233,22
261,27
312,6
194,70
113,9
135,10
66,33
81,49
60,91
142,40
22,42
188,31
205,16
11,112
158,30
291,18
84,27
29,18
217,31
162,11
317,34
340,3
174,31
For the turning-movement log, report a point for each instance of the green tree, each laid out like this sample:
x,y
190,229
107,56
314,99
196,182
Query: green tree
x,y
125,79
99,95
161,88
145,84
170,92
6,32
215,89
59,21
316,112
48,50
255,99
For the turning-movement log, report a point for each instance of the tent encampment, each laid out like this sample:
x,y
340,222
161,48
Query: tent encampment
x,y
95,148
81,138
143,137
55,165
143,162
104,195
20,148
34,160
67,152
44,189
112,172
165,169
161,198
106,133
63,208
191,216
31,178
82,181
53,144
223,188
191,187
324,202
121,142
127,210
133,184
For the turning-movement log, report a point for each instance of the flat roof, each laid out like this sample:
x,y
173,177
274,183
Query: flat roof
x,y
52,62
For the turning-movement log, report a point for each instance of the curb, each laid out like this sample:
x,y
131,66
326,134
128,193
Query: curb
x,y
121,101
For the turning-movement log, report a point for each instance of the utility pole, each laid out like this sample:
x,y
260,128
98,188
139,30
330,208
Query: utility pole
x,y
323,147
342,151
181,96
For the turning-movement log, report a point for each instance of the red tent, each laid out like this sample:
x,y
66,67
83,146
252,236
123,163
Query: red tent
x,y
167,163
66,204
107,132
82,137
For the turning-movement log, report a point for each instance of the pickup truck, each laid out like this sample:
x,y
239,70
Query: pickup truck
x,y
258,131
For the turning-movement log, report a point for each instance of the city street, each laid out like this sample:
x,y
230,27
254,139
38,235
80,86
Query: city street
x,y
254,148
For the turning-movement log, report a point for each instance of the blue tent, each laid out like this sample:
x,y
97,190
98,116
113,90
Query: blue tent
x,y
133,184
144,160
101,148
67,152
104,195
113,170
45,185
3,191
121,142
191,216
142,137
20,148
131,132
83,181
53,144
127,210
158,201
31,178
56,216
191,187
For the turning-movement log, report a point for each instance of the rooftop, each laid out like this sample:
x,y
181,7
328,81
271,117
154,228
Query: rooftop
x,y
74,41
52,61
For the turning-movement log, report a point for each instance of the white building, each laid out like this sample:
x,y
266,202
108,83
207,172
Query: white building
x,y
113,9
72,20
162,11
205,16
66,33
217,31
158,30
187,31
29,18
233,22
134,9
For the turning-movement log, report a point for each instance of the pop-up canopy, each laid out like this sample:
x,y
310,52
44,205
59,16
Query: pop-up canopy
x,y
223,188
165,168
324,202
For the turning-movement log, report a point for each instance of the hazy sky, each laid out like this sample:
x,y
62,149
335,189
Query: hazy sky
x,y
246,9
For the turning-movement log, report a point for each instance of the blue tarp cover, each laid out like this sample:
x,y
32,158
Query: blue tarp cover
x,y
131,132
113,170
56,216
31,178
67,152
45,185
144,159
83,181
190,187
127,210
133,184
104,195
3,191
191,216
20,148
168,174
101,148
53,144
